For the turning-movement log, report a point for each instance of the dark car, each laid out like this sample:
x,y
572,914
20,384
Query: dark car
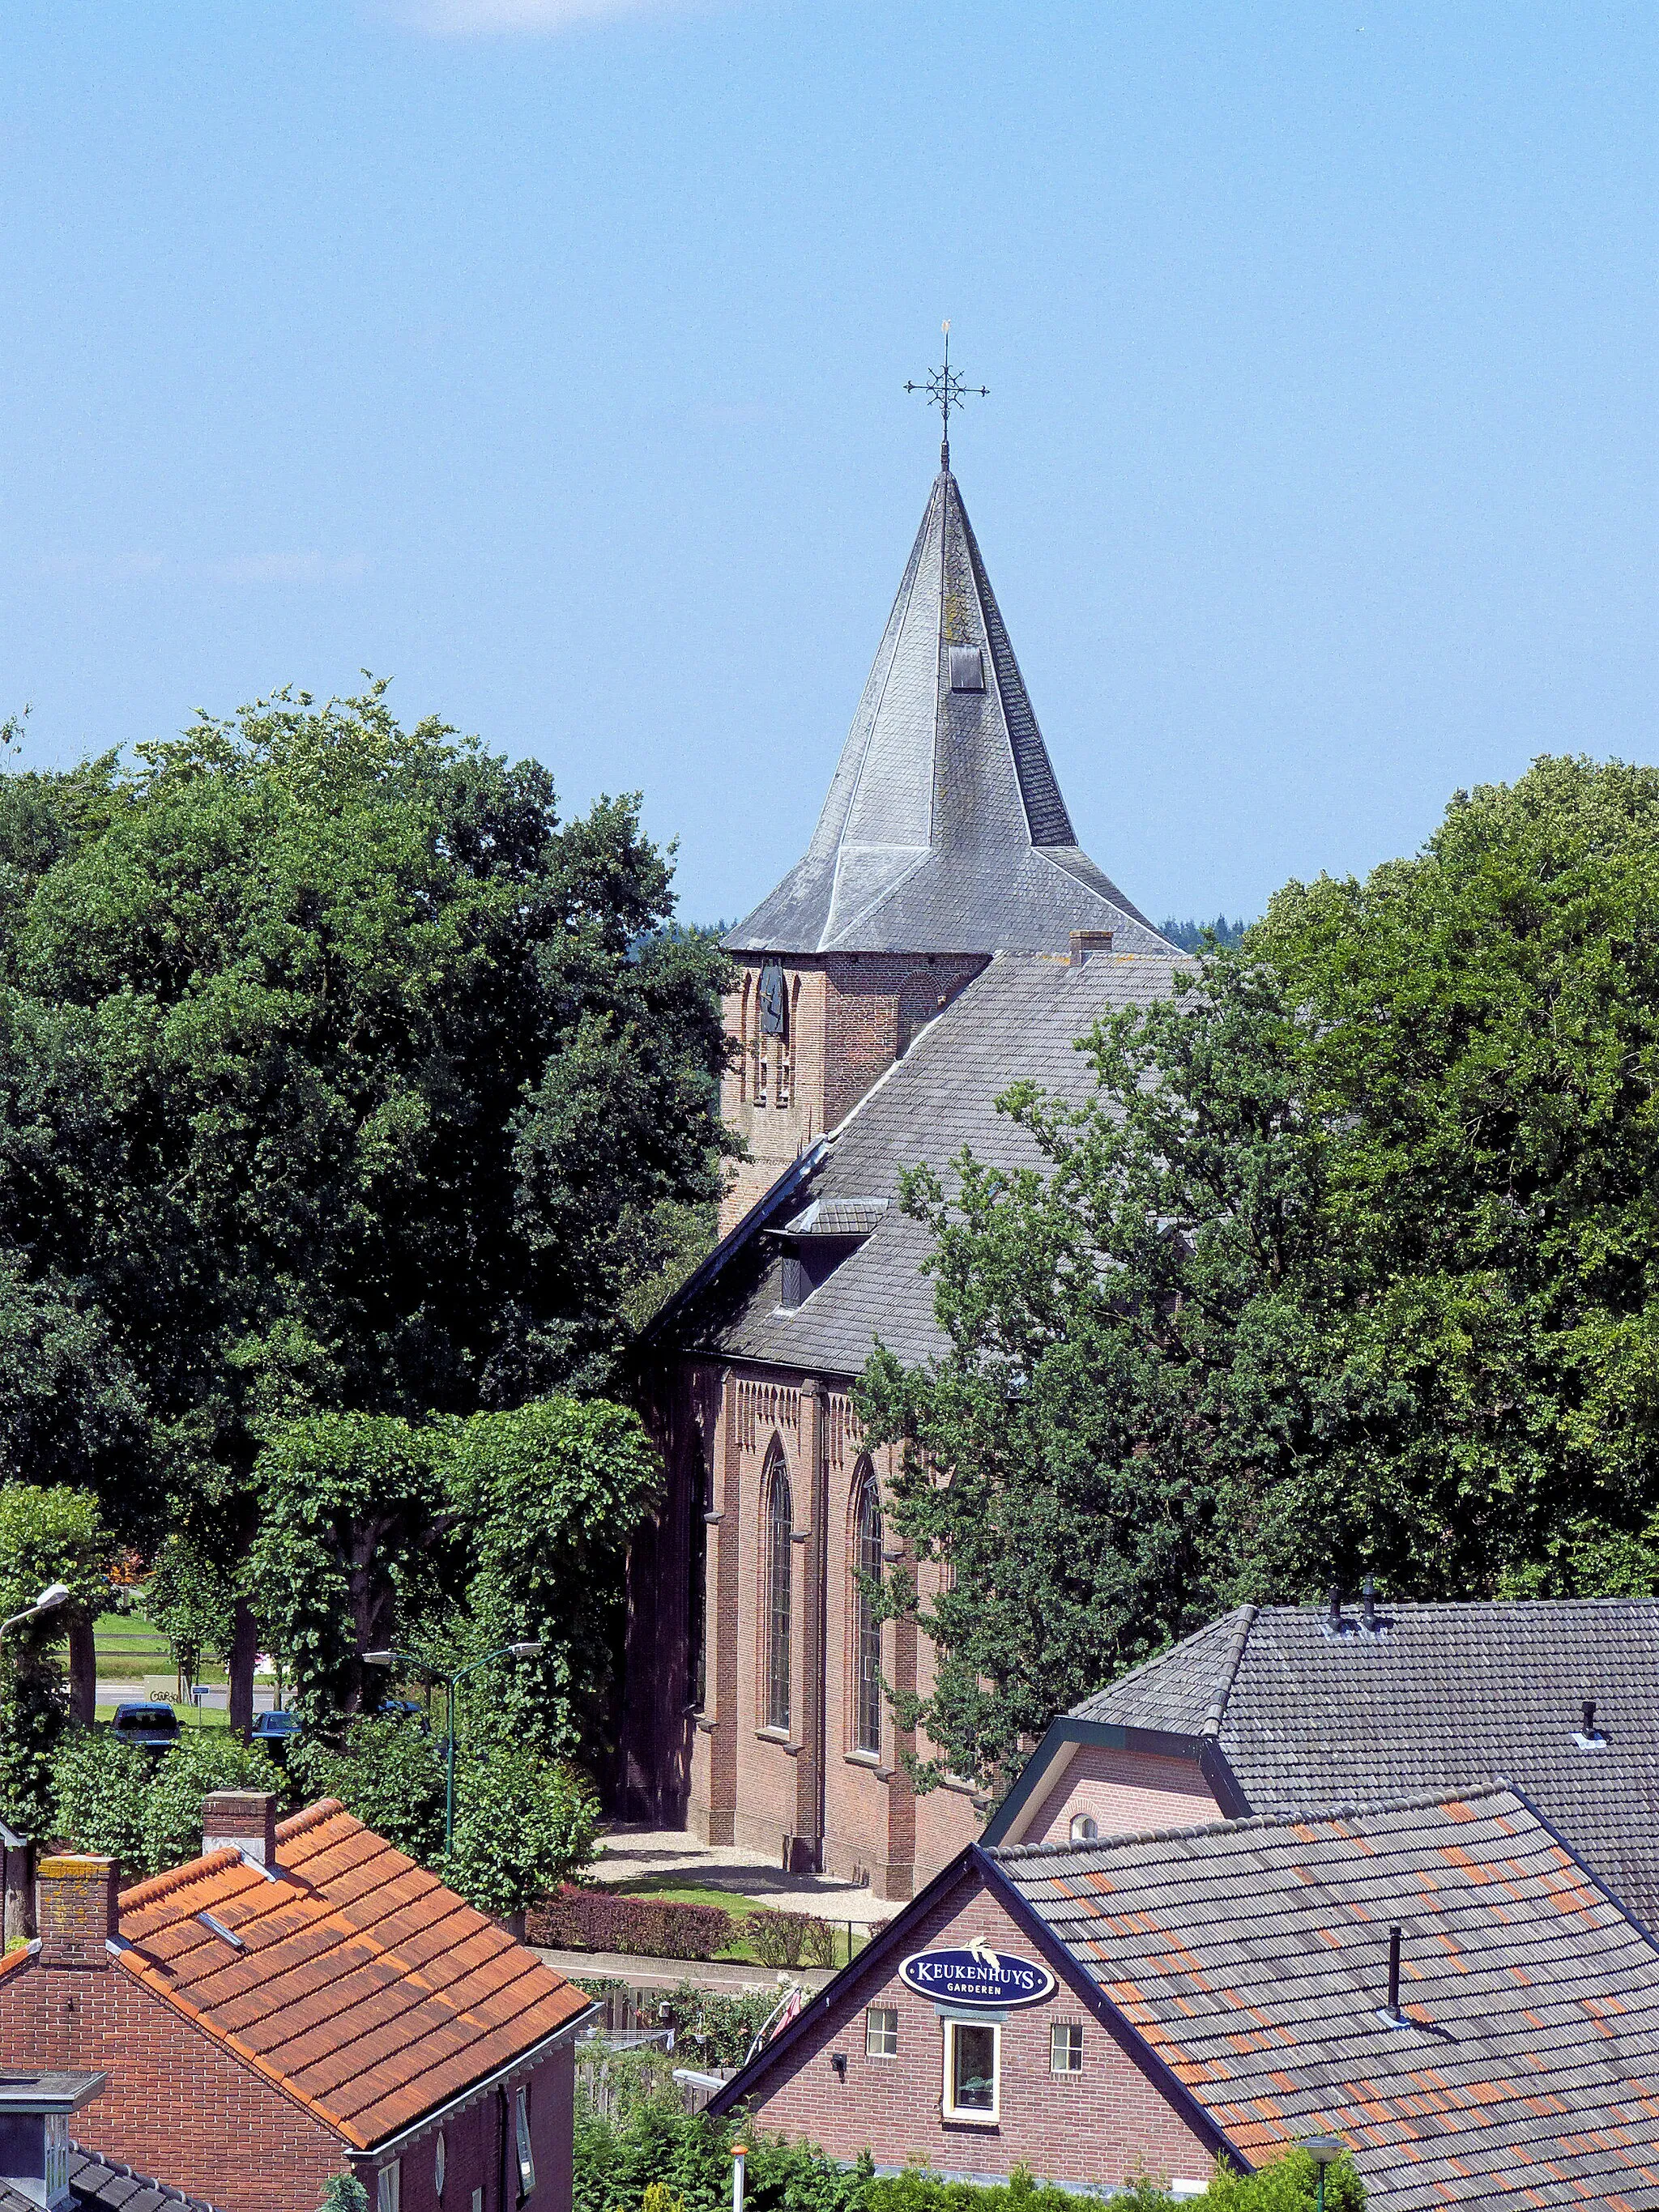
x,y
152,1727
275,1728
403,1709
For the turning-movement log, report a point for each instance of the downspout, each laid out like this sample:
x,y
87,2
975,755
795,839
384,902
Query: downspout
x,y
821,1477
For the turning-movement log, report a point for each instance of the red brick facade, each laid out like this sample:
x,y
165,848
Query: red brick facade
x,y
849,1016
1100,2126
180,2107
808,1793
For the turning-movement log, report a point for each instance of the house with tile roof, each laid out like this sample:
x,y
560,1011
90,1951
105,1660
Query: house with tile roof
x,y
1279,1706
1440,1981
943,935
302,1999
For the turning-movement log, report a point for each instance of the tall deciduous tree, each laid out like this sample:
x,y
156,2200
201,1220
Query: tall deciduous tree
x,y
330,1062
1349,1262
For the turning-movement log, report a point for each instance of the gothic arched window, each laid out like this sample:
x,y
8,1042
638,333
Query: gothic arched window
x,y
696,1567
778,1592
867,1625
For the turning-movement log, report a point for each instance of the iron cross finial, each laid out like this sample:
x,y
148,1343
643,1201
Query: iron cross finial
x,y
945,390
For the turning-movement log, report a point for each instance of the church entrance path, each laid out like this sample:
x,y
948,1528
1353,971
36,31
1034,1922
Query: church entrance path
x,y
629,1854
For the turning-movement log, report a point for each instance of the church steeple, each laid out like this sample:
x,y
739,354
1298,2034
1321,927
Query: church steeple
x,y
945,829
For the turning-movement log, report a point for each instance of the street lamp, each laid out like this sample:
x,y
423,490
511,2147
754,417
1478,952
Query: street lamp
x,y
392,1658
1323,2150
53,1596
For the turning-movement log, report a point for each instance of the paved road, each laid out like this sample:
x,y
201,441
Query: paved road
x,y
216,1696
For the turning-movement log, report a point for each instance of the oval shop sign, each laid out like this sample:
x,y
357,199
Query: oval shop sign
x,y
975,1976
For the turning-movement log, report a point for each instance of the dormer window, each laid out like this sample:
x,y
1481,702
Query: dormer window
x,y
816,1241
967,668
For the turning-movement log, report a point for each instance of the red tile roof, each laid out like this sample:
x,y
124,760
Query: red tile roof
x,y
365,1988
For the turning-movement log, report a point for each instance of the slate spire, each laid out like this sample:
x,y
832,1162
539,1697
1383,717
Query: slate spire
x,y
944,829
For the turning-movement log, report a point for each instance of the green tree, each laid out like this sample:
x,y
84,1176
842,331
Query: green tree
x,y
192,1599
47,1537
351,1507
1347,1263
549,1497
331,1062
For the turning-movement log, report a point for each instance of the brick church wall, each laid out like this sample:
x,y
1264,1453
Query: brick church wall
x,y
1099,2127
810,1792
851,1016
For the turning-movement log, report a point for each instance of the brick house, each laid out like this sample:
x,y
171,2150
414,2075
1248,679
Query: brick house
x,y
301,2001
943,934
1272,1706
1096,2010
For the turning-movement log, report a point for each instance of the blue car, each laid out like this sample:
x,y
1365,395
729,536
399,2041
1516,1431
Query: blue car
x,y
275,1728
151,1727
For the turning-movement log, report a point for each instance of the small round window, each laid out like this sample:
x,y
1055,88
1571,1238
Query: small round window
x,y
439,2161
1083,1829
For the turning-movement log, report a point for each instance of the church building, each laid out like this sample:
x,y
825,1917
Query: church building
x,y
943,934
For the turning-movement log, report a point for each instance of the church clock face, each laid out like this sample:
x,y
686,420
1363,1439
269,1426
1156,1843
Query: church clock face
x,y
771,1000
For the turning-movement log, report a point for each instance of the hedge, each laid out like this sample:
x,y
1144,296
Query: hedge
x,y
574,1920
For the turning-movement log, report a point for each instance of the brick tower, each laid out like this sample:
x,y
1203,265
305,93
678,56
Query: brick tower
x,y
944,839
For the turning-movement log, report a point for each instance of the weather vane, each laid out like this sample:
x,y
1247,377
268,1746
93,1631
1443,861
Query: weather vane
x,y
946,389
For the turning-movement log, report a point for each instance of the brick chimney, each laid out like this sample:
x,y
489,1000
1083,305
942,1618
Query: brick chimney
x,y
244,1818
75,1910
1086,943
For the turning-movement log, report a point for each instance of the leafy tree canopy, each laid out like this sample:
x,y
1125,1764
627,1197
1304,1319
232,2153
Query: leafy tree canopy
x,y
447,1541
331,1063
1348,1263
47,1537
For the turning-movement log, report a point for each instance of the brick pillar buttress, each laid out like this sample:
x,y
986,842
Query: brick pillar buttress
x,y
809,1767
898,1877
721,1719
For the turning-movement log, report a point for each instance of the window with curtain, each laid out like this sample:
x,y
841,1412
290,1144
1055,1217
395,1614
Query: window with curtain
x,y
867,1627
780,1576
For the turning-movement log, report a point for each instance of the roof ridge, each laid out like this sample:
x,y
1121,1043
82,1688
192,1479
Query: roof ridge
x,y
1215,1712
158,1885
312,1816
1290,1816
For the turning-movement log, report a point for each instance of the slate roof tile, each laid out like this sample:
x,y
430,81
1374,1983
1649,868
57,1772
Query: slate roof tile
x,y
1448,1695
366,1988
1022,1018
1252,1956
944,829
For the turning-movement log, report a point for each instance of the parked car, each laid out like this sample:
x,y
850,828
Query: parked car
x,y
403,1709
152,1728
275,1728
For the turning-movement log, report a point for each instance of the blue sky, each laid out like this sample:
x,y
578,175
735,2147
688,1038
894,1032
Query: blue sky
x,y
546,355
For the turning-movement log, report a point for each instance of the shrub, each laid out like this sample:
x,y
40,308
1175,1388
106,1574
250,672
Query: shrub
x,y
108,1796
785,1939
651,1927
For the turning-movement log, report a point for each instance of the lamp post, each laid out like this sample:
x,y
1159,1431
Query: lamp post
x,y
504,1651
53,1596
1323,2150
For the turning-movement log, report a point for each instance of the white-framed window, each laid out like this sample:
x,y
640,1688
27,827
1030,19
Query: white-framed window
x,y
881,2032
439,2164
1066,2047
526,2156
1085,1829
973,2054
389,2187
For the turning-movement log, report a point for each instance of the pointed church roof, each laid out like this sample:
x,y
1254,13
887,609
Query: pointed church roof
x,y
944,829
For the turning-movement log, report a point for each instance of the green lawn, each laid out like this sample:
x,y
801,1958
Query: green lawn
x,y
678,1892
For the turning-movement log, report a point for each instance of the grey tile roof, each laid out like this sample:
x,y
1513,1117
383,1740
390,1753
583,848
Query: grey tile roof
x,y
1252,1956
1449,1695
1020,1018
944,829
100,2184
